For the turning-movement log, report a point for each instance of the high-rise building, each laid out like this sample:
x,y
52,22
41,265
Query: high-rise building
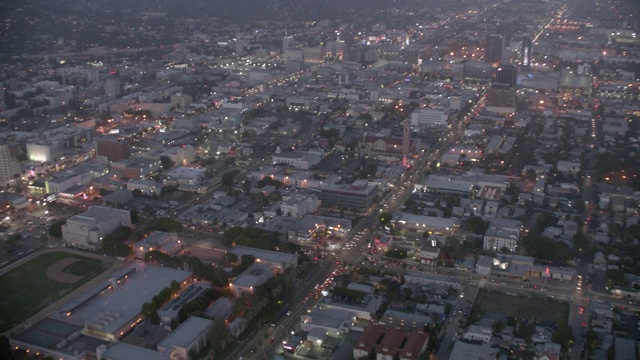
x,y
9,165
287,43
406,139
112,87
506,75
493,48
525,61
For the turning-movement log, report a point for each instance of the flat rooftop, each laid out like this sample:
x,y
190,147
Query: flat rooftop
x,y
274,257
121,301
186,333
192,292
330,318
122,351
52,333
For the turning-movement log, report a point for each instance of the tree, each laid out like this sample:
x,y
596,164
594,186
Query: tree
x,y
385,218
580,242
227,178
231,258
563,335
396,254
476,225
166,162
135,216
55,229
167,225
147,309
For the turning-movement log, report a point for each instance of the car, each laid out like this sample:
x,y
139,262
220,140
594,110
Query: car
x,y
584,323
581,310
271,341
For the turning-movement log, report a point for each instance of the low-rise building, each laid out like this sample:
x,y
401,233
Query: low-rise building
x,y
87,230
390,343
405,320
480,333
298,159
167,243
279,261
256,275
357,196
146,187
334,322
190,337
169,311
468,351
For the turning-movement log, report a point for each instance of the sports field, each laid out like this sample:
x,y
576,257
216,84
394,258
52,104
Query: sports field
x,y
41,281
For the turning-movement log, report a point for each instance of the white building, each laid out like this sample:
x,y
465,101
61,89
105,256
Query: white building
x,y
256,275
468,351
185,177
181,155
501,235
299,205
298,159
279,261
167,243
496,239
87,230
427,118
190,336
334,322
44,152
147,187
430,251
63,181
476,332
9,165
568,167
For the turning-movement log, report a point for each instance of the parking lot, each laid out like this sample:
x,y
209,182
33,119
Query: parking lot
x,y
25,231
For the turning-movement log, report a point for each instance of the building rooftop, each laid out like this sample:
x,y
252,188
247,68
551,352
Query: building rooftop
x,y
330,318
423,220
467,351
118,301
273,257
100,213
192,292
186,333
255,275
123,351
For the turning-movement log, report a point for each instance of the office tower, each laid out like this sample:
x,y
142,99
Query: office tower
x,y
506,75
241,47
406,139
9,165
287,43
493,48
112,87
525,61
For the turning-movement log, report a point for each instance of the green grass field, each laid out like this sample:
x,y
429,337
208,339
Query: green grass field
x,y
521,307
26,289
